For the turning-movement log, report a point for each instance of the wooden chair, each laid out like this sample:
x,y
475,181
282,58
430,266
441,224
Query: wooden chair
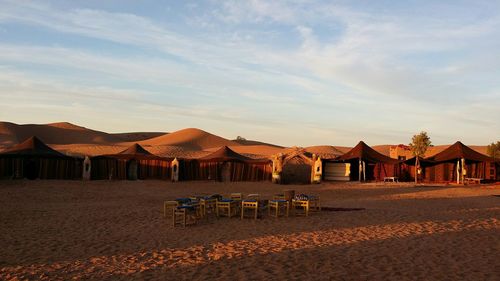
x,y
314,203
252,205
226,207
208,205
279,197
280,207
301,205
168,208
253,196
184,215
236,196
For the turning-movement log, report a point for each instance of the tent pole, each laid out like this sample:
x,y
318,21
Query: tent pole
x,y
416,169
364,171
462,176
359,169
458,171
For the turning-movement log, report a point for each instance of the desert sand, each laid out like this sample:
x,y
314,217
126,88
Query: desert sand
x,y
105,230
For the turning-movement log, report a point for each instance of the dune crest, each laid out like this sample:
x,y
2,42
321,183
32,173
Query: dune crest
x,y
190,138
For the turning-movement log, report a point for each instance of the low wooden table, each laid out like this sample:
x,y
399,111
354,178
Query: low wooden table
x,y
472,180
391,179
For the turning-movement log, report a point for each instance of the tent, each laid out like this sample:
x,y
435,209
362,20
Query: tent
x,y
33,159
132,163
457,162
368,163
225,165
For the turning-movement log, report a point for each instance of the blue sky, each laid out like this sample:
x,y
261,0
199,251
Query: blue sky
x,y
287,72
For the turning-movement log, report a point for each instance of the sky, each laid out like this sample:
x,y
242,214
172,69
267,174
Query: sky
x,y
286,72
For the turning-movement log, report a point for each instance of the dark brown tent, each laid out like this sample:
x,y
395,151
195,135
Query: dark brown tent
x,y
379,165
449,162
33,159
225,154
226,165
459,151
132,163
366,153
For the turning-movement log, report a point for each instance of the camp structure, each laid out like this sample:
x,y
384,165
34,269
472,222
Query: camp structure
x,y
368,164
422,165
33,159
133,163
297,166
457,162
225,165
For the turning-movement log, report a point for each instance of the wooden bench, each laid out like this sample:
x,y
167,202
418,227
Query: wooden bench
x,y
391,179
472,180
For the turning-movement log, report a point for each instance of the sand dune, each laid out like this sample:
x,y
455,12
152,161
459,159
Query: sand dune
x,y
253,142
56,133
187,143
137,136
191,138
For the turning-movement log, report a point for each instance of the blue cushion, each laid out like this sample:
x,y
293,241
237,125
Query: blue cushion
x,y
279,200
226,200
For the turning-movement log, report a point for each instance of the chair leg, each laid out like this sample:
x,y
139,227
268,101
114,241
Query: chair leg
x,y
256,212
184,218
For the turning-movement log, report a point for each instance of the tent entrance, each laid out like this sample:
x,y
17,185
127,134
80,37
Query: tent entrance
x,y
132,170
296,171
226,172
30,169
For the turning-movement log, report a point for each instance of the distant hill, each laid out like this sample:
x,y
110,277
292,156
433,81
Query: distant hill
x,y
192,143
253,142
191,138
55,133
138,136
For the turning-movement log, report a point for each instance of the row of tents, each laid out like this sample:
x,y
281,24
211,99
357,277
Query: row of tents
x,y
33,159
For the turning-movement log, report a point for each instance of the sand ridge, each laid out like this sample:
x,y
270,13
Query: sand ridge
x,y
186,143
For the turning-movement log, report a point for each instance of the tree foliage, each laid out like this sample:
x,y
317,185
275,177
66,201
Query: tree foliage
x,y
419,144
494,150
240,138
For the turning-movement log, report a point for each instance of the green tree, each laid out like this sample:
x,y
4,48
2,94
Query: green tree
x,y
494,150
418,146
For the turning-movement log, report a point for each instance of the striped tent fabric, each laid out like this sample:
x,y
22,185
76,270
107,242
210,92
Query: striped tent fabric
x,y
34,159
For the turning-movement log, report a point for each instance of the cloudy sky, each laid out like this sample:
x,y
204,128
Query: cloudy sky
x,y
287,72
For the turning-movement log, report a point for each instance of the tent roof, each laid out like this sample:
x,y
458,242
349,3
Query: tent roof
x,y
366,153
458,151
423,162
136,151
225,154
32,147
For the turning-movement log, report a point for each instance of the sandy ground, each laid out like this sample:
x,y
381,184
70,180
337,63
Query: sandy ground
x,y
62,230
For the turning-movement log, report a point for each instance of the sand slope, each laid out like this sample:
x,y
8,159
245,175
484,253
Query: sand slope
x,y
56,133
187,143
191,138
